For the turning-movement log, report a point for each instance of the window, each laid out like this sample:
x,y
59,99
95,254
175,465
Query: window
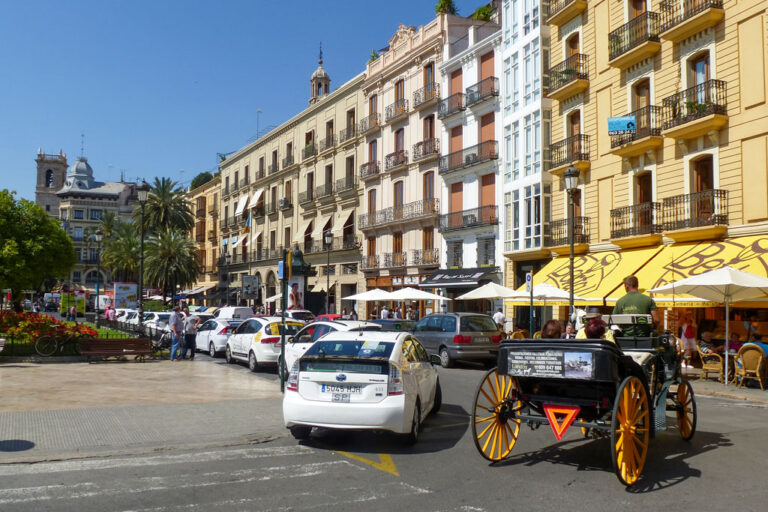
x,y
79,214
76,276
310,184
531,71
79,254
398,193
96,214
372,202
287,235
328,175
350,170
428,239
261,166
507,154
272,239
49,179
429,127
532,206
48,208
78,235
372,104
93,254
516,220
508,82
516,150
246,173
507,221
455,251
429,74
400,139
288,191
532,143
63,214
486,250
372,146
507,22
515,82
399,90
515,19
530,15
429,185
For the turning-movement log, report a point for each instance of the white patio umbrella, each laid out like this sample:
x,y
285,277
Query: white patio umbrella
x,y
414,294
489,291
725,285
371,295
545,292
274,298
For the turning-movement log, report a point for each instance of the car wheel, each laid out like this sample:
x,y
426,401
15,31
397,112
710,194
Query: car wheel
x,y
228,355
438,402
212,350
253,364
300,432
413,436
445,358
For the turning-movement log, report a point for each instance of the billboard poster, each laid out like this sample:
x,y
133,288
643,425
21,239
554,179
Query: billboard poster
x,y
76,298
622,125
296,292
125,295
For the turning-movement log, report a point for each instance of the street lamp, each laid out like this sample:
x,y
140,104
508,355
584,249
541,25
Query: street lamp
x,y
227,259
328,241
571,186
98,237
143,192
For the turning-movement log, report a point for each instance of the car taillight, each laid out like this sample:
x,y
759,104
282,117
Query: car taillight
x,y
226,330
395,385
292,384
496,339
271,339
462,339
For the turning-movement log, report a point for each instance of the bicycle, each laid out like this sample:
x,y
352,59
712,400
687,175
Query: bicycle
x,y
48,344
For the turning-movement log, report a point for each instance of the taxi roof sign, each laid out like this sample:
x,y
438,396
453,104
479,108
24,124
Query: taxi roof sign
x,y
568,412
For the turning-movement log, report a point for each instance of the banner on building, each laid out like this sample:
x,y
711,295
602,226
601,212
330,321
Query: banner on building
x,y
622,125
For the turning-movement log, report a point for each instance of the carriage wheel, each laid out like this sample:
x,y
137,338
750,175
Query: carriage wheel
x,y
685,406
494,426
630,430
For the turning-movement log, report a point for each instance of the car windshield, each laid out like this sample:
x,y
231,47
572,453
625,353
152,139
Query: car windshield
x,y
303,315
351,348
233,323
477,324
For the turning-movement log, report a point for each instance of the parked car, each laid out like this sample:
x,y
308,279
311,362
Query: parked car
x,y
296,345
395,325
156,321
304,315
257,341
362,380
213,334
464,336
233,312
327,317
51,306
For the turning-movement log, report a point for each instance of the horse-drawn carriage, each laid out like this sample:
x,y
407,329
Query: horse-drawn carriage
x,y
622,391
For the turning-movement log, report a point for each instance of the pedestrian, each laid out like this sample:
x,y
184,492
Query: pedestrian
x,y
552,330
344,314
190,328
176,323
374,313
36,308
352,314
500,320
397,315
73,313
384,312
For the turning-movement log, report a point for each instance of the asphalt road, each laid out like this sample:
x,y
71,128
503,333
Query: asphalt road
x,y
723,467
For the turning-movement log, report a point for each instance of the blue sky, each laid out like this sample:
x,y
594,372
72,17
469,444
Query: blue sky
x,y
159,87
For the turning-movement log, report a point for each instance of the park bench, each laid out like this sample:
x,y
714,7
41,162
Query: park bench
x,y
116,347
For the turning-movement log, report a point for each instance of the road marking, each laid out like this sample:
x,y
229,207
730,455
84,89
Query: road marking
x,y
461,415
385,462
447,425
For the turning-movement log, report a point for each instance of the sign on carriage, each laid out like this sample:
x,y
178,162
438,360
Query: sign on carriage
x,y
550,363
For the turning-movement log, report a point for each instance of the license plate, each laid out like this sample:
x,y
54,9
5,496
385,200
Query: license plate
x,y
340,397
481,339
348,389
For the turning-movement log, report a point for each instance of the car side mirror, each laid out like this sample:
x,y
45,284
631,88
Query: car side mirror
x,y
434,359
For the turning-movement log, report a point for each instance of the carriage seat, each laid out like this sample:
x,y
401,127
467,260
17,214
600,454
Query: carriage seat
x,y
639,356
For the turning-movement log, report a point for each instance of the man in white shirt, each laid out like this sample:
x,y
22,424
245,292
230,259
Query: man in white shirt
x,y
384,313
499,318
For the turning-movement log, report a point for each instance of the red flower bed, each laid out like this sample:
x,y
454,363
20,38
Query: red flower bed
x,y
26,327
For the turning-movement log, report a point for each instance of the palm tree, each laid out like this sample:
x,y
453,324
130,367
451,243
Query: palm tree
x,y
121,251
109,222
166,208
171,259
446,7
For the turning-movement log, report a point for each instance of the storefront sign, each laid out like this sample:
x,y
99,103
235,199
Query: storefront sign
x,y
411,280
397,281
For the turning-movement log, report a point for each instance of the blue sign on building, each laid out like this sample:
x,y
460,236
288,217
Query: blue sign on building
x,y
621,125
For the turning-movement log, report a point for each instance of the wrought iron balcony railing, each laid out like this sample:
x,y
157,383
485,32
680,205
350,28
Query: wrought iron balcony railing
x,y
244,182
347,133
425,149
395,259
285,203
396,110
396,159
555,6
423,257
636,220
308,151
258,210
467,157
346,184
556,233
705,208
327,143
212,235
200,213
426,94
410,211
307,196
575,67
696,102
450,105
369,170
324,190
574,148
639,30
288,161
273,168
647,123
271,208
482,90
675,12
482,216
370,262
258,175
370,123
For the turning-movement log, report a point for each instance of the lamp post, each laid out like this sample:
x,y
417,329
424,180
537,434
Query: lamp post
x,y
227,259
571,185
328,241
98,236
143,192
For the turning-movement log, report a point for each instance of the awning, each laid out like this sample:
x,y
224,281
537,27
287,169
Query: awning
x,y
298,237
598,276
239,241
457,277
201,289
320,223
241,205
678,261
274,298
256,196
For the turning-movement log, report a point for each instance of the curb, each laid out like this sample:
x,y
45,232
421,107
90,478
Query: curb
x,y
42,360
733,396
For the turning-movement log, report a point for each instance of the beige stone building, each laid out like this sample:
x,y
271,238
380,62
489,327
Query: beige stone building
x,y
288,189
204,202
688,190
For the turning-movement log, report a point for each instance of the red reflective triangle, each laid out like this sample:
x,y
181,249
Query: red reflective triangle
x,y
569,412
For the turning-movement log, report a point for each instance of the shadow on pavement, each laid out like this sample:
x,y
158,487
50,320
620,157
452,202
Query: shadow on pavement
x,y
16,445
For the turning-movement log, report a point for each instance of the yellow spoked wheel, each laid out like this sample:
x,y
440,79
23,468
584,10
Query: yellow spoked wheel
x,y
494,425
685,406
630,430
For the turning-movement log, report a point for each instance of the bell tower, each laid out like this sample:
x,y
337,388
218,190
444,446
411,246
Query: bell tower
x,y
51,174
320,81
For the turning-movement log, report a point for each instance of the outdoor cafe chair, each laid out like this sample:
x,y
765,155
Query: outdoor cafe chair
x,y
710,363
750,364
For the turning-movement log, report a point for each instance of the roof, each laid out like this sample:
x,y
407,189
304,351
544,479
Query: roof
x,y
388,336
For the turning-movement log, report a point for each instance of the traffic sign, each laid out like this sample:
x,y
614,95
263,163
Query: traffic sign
x,y
528,282
568,414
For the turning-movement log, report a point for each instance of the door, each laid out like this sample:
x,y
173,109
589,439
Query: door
x,y
371,202
487,127
429,185
574,128
699,75
397,248
203,335
371,242
372,151
372,106
487,197
399,90
637,8
644,217
399,140
642,99
456,82
573,45
429,130
703,205
454,159
457,204
398,200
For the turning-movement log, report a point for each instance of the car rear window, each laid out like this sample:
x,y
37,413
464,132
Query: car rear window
x,y
303,316
477,324
351,348
348,366
275,329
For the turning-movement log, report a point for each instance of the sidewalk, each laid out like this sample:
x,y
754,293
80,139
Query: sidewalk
x,y
711,387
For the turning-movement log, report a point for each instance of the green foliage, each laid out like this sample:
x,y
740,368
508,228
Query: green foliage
x,y
446,7
154,305
374,56
167,208
171,259
32,245
201,179
122,251
483,13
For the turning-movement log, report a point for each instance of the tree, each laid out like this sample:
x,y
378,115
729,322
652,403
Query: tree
x,y
32,245
446,7
171,259
483,13
201,179
121,253
167,208
109,222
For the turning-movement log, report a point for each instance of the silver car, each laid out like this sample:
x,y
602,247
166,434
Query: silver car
x,y
464,336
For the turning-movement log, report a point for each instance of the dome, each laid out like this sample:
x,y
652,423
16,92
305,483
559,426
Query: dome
x,y
319,73
81,168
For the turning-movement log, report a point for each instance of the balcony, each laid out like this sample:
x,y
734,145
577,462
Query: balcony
x,y
571,151
556,235
347,134
637,225
235,186
307,196
450,105
473,155
426,150
370,262
274,253
285,203
309,151
568,78
271,208
239,220
370,124
327,143
212,235
213,209
647,136
425,257
258,175
396,111
472,218
696,111
225,191
288,161
395,259
417,210
396,161
427,96
224,223
697,216
258,210
273,168
200,213
634,41
481,91
244,182
561,11
369,170
347,184
455,257
680,19
324,191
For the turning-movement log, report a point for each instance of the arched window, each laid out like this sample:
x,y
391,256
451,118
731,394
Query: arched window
x,y
49,179
93,277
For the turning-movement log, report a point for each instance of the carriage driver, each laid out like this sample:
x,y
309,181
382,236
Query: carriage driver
x,y
636,303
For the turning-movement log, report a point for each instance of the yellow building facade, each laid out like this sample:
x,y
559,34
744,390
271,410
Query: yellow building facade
x,y
204,202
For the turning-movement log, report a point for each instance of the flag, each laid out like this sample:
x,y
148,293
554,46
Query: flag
x,y
247,224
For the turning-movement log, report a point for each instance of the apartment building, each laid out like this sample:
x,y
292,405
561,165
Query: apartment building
x,y
204,202
469,166
686,190
291,188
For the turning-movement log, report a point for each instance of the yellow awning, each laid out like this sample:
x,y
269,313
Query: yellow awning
x,y
678,261
597,278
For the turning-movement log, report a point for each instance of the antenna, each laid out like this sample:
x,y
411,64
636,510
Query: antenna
x,y
321,53
82,143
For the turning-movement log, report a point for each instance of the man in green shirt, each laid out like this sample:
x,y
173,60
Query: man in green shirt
x,y
635,303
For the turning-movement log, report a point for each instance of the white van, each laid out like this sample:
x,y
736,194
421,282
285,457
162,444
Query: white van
x,y
233,313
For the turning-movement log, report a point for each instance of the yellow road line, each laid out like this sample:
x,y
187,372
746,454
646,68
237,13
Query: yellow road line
x,y
385,462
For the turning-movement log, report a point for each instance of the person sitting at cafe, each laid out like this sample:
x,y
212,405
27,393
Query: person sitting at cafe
x,y
708,346
594,314
551,330
569,333
735,342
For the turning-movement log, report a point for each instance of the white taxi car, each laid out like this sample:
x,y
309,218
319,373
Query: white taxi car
x,y
257,341
296,345
362,380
